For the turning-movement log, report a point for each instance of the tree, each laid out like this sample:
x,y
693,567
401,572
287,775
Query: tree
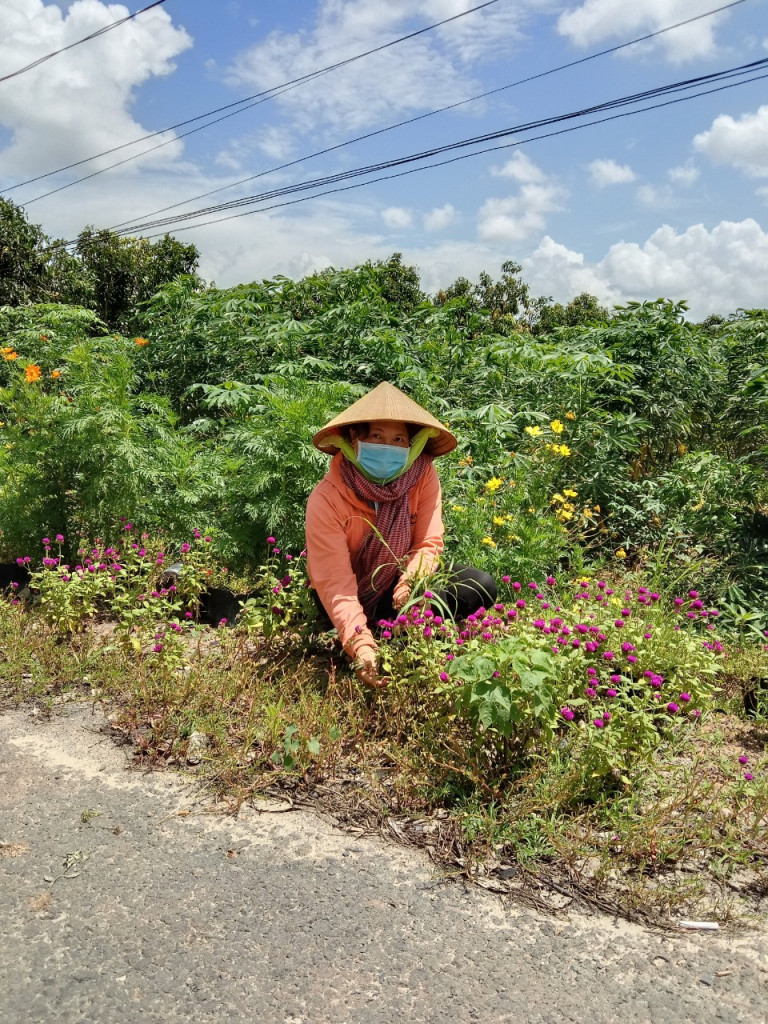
x,y
117,274
584,310
24,271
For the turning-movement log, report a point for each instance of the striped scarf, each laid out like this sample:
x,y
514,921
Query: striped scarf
x,y
377,563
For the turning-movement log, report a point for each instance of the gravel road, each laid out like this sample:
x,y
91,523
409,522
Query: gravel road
x,y
277,917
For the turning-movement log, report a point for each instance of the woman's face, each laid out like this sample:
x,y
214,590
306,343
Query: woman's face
x,y
392,432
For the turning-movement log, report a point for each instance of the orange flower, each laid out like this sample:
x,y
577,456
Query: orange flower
x,y
141,342
9,354
43,337
55,374
32,373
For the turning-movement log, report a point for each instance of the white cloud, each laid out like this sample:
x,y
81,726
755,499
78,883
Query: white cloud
x,y
400,80
44,108
521,168
715,270
397,217
514,218
763,192
596,20
683,175
439,217
741,142
608,172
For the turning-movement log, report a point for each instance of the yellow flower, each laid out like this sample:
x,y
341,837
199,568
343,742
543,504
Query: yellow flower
x,y
489,541
32,373
570,494
9,354
681,448
457,508
498,520
556,426
621,553
557,497
533,431
570,415
565,451
141,342
493,484
564,515
596,508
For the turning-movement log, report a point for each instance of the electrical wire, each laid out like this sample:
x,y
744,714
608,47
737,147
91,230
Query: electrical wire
x,y
431,113
257,98
451,160
683,85
85,39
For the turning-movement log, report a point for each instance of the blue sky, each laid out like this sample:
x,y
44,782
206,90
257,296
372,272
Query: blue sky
x,y
670,202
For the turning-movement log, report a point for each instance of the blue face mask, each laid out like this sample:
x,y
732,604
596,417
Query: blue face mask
x,y
381,460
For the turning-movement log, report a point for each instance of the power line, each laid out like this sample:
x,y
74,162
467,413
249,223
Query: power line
x,y
432,113
85,39
455,159
259,97
683,85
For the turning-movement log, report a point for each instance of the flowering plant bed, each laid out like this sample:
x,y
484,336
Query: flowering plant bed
x,y
577,738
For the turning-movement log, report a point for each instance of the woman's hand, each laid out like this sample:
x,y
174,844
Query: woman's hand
x,y
367,668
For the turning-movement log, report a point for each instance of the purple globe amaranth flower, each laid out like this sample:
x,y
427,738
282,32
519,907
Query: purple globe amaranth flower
x,y
512,613
386,634
631,659
128,526
568,714
696,713
19,561
697,604
590,691
184,548
157,648
444,677
606,716
533,586
551,581
743,760
46,541
693,593
516,585
748,776
608,655
598,723
575,642
59,538
450,657
591,671
602,584
685,698
611,692
520,603
679,602
505,579
655,597
496,674
187,615
270,540
619,623
672,707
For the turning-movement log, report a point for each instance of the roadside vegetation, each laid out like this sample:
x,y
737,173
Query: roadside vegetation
x,y
598,734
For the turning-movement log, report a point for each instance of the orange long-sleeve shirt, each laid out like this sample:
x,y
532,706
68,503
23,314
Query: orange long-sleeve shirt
x,y
337,523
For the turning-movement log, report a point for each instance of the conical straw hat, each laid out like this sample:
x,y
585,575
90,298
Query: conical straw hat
x,y
386,402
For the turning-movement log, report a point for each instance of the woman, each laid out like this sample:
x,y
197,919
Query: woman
x,y
374,522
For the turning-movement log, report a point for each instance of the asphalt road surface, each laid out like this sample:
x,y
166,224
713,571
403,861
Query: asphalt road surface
x,y
159,916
